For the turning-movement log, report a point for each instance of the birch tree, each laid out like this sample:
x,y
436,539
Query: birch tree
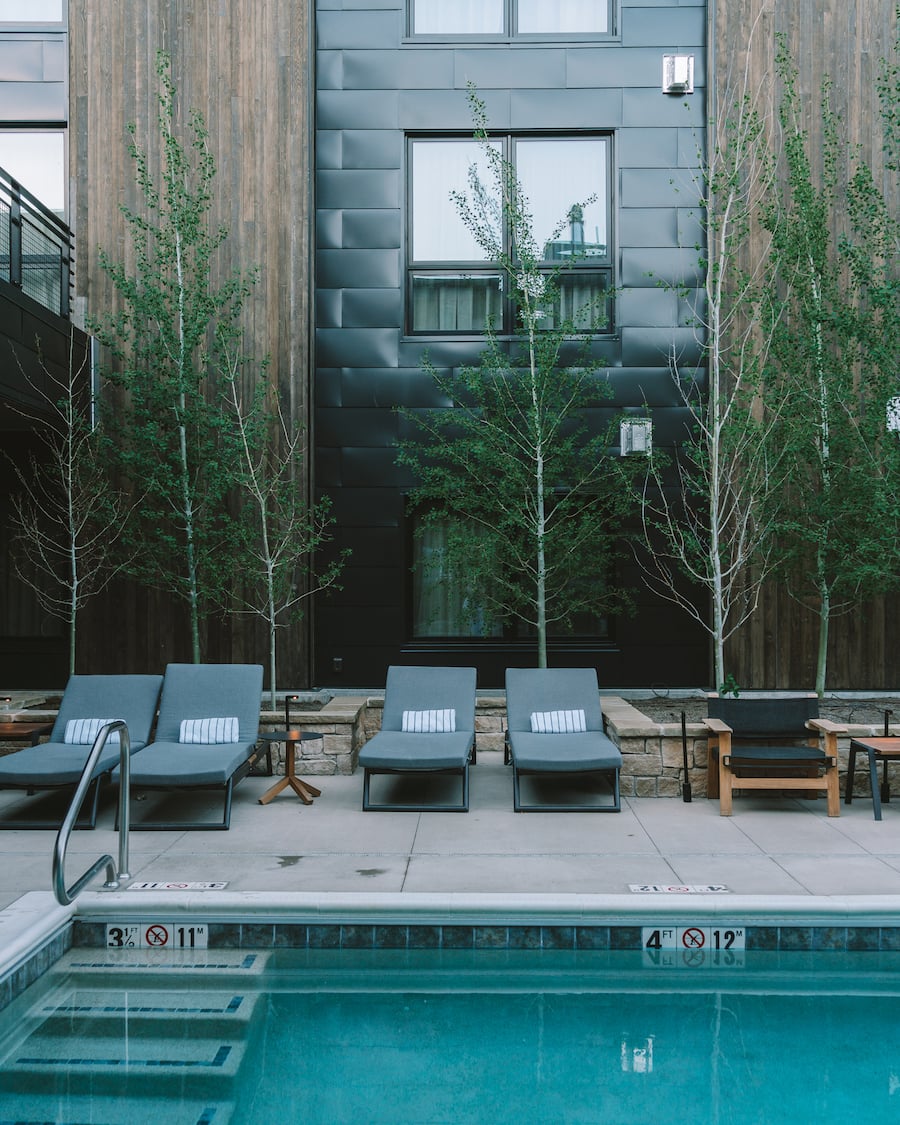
x,y
281,533
67,517
708,514
174,443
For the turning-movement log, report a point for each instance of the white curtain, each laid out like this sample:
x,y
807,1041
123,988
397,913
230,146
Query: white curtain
x,y
458,17
539,17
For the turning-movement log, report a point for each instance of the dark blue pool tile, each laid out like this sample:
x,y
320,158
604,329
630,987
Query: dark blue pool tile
x,y
257,935
224,935
457,937
424,937
762,938
558,937
357,937
863,939
391,937
795,938
291,936
490,937
324,937
829,938
592,937
88,935
889,938
524,937
625,937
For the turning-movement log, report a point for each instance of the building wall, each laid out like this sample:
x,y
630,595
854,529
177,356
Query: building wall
x,y
843,40
245,66
374,86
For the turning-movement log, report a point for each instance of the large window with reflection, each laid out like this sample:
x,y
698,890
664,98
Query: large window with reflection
x,y
510,17
453,287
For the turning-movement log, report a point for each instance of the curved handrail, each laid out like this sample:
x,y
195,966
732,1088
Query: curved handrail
x,y
113,879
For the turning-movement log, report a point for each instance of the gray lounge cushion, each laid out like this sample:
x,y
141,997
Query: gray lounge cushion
x,y
417,689
564,753
201,691
134,698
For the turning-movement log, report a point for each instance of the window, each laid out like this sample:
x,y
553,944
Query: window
x,y
510,17
31,11
452,287
37,159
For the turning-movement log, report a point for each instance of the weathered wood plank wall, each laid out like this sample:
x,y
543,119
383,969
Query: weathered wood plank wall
x,y
244,65
845,41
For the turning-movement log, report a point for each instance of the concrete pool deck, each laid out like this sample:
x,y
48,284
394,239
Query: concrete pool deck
x,y
772,846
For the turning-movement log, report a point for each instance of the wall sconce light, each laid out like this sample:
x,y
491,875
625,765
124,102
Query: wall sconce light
x,y
678,74
893,414
636,437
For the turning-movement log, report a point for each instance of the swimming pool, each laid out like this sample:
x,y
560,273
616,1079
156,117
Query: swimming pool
x,y
434,1035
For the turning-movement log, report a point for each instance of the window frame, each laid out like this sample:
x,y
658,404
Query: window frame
x,y
505,325
510,32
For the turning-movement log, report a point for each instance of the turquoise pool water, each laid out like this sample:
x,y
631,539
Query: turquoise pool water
x,y
439,1037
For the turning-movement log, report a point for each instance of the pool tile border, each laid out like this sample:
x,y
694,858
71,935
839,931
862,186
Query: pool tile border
x,y
455,936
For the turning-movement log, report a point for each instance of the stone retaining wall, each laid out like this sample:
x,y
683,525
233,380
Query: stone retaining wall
x,y
651,751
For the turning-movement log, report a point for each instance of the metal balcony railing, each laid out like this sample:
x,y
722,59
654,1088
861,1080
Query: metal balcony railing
x,y
35,248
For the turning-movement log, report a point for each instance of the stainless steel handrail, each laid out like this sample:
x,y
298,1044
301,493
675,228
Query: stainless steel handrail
x,y
113,878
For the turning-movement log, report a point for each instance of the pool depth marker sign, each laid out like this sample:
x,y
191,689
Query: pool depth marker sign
x,y
694,946
157,935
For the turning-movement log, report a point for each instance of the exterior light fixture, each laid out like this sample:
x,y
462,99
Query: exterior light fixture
x,y
678,74
636,437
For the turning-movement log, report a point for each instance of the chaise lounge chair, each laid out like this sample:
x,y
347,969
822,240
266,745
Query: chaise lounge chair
x,y
87,703
555,726
771,743
428,727
205,736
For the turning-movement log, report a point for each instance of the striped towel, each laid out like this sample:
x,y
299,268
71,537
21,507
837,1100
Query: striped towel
x,y
83,731
209,731
430,722
558,722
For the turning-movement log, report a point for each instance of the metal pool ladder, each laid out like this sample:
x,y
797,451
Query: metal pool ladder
x,y
113,878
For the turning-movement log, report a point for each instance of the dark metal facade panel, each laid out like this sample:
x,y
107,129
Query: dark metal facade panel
x,y
410,69
372,148
371,229
348,347
674,27
647,307
648,148
353,187
357,109
378,268
330,70
392,90
330,230
329,305
642,266
614,66
502,69
651,108
644,347
372,308
565,109
648,226
358,28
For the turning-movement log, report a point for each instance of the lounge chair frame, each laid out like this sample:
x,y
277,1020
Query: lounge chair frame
x,y
422,688
549,689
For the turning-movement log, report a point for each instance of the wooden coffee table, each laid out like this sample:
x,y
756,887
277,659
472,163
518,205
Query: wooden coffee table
x,y
302,788
24,732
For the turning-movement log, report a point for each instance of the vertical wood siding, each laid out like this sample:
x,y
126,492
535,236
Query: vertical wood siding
x,y
845,41
244,65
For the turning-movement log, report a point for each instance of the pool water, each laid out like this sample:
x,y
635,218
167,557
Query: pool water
x,y
441,1037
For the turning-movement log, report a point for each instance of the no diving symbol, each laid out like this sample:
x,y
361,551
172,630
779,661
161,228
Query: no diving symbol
x,y
157,935
693,938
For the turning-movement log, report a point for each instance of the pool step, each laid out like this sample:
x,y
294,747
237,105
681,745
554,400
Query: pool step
x,y
68,1109
99,1027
